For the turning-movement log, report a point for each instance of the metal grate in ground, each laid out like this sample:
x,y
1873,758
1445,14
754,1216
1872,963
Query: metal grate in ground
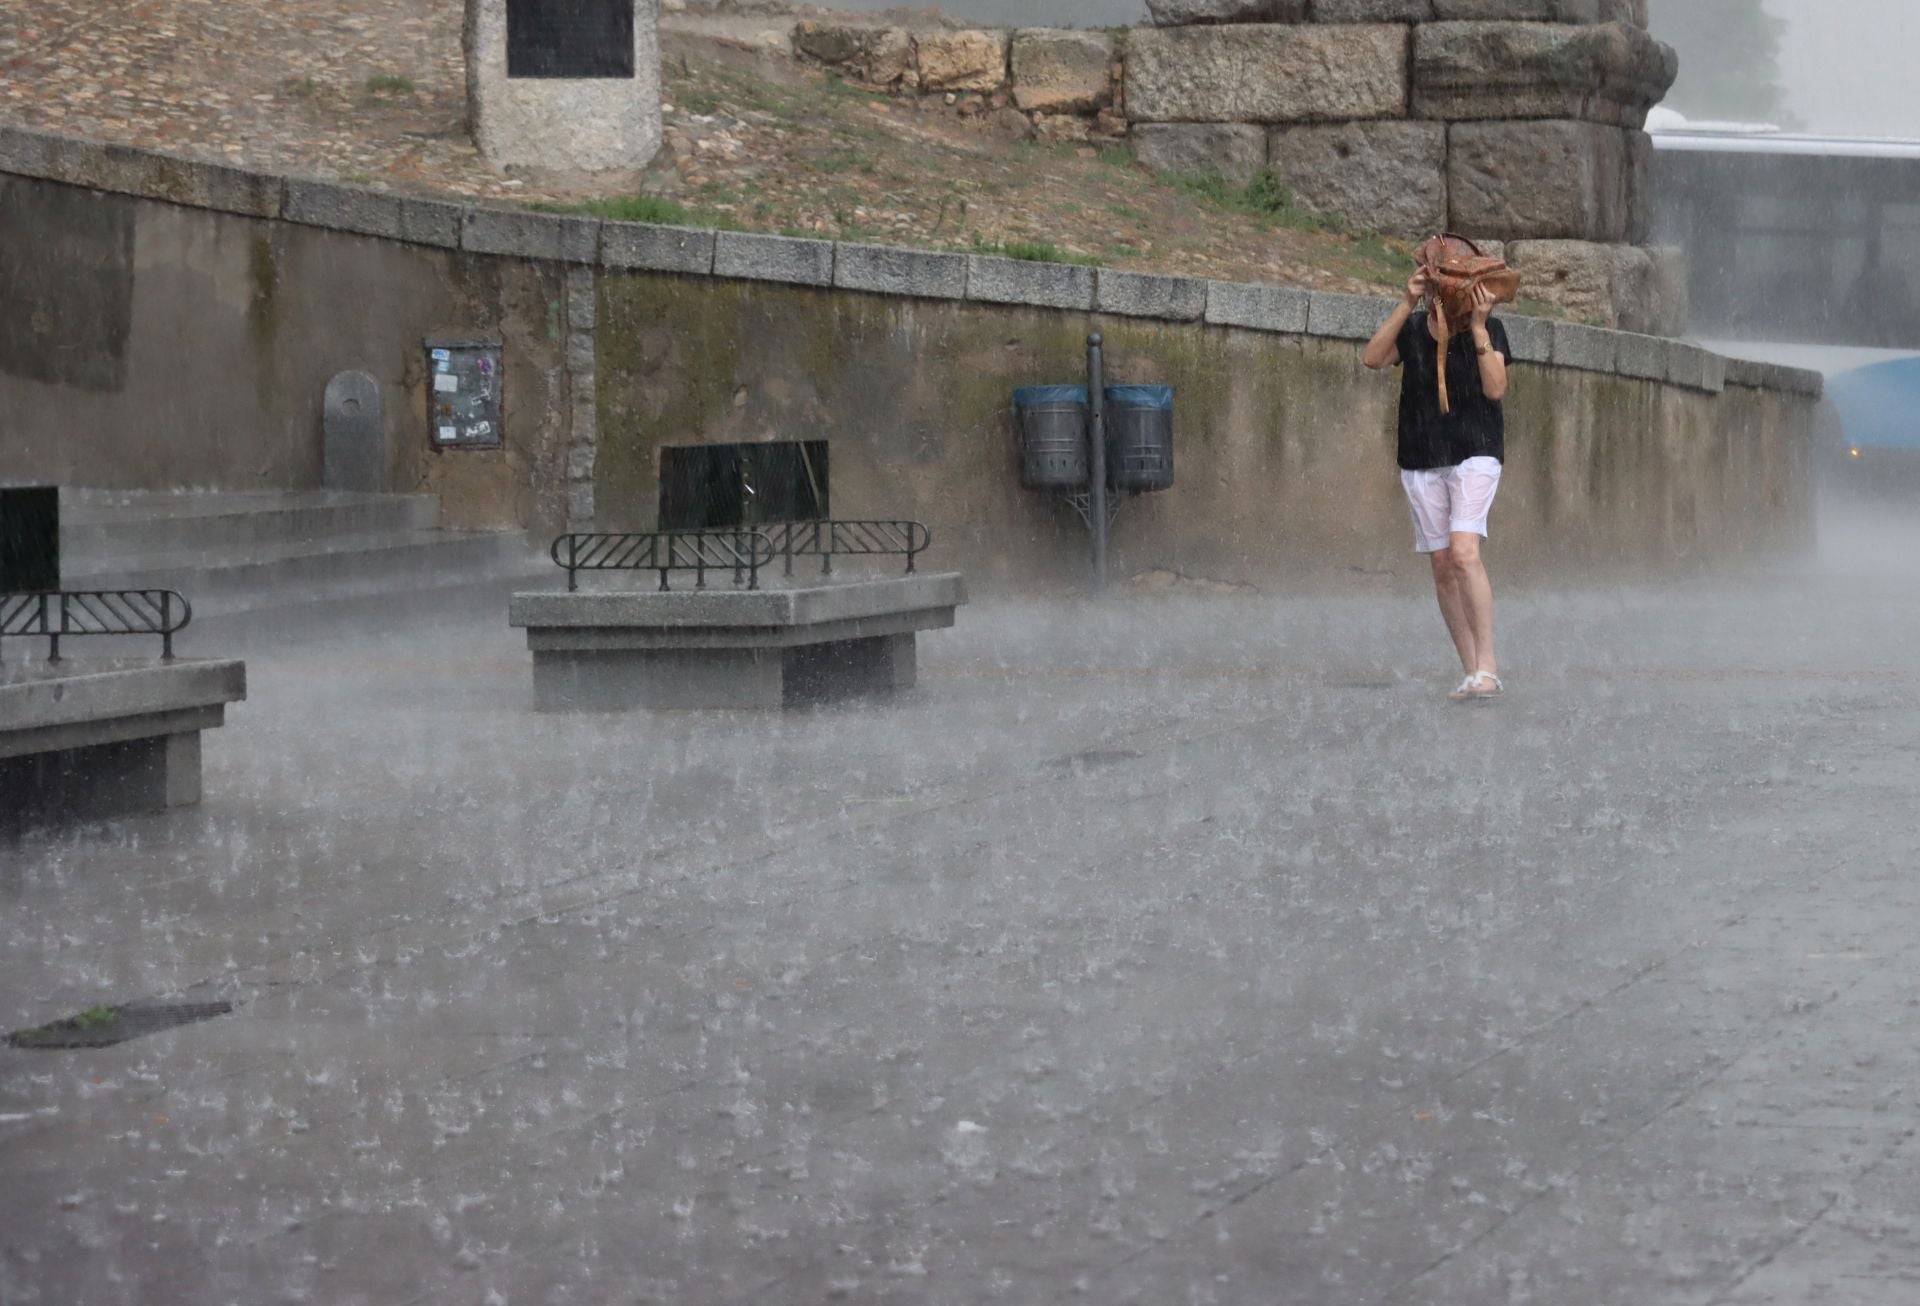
x,y
101,1027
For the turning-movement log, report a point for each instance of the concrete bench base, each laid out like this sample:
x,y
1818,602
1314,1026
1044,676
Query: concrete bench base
x,y
730,648
90,740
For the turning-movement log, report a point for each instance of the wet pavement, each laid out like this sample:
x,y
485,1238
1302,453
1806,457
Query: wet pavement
x,y
1172,951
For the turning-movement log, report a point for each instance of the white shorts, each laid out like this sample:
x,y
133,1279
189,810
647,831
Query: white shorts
x,y
1450,500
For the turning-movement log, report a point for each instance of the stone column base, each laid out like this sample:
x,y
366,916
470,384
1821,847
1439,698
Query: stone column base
x,y
1622,287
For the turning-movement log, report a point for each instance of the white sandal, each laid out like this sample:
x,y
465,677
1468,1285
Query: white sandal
x,y
1471,687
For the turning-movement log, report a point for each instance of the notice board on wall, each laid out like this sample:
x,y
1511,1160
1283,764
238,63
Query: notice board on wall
x,y
463,394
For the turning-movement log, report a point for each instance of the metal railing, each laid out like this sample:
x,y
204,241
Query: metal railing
x,y
827,539
741,552
56,614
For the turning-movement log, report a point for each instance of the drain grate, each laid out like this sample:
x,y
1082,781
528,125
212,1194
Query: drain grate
x,y
1095,757
101,1027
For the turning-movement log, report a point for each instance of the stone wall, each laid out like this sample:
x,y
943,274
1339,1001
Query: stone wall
x,y
210,305
1517,122
1050,82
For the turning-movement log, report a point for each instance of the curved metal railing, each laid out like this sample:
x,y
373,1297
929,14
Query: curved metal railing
x,y
55,614
826,539
741,552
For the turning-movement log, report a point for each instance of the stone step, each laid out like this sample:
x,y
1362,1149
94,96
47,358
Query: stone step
x,y
345,568
97,525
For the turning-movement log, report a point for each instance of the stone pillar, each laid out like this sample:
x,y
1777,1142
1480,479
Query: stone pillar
x,y
564,85
1510,121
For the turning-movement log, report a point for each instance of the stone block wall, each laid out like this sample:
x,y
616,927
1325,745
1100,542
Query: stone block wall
x,y
1039,81
1518,122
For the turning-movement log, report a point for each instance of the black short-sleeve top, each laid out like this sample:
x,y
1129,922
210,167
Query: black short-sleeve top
x,y
1475,428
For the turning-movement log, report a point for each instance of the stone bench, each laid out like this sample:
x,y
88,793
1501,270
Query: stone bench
x,y
729,648
114,737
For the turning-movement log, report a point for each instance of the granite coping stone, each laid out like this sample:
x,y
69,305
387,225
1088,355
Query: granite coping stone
x,y
1587,348
127,170
735,608
891,270
36,695
789,259
1531,338
1139,294
526,234
1261,308
367,212
485,229
1644,357
995,280
1695,368
647,247
1345,317
1793,380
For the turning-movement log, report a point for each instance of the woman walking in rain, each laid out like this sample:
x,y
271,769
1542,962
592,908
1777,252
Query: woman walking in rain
x,y
1452,442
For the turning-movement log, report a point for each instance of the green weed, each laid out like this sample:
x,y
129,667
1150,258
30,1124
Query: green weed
x,y
389,84
1034,251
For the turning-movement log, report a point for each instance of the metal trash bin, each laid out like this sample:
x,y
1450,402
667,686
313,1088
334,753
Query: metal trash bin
x,y
1139,436
1053,436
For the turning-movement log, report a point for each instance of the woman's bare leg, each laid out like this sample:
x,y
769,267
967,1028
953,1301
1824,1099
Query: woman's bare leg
x,y
1453,607
1475,594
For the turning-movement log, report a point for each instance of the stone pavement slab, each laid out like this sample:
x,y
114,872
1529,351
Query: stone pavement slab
x,y
1184,950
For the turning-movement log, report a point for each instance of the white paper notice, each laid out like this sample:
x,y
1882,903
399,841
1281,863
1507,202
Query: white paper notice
x,y
445,384
449,433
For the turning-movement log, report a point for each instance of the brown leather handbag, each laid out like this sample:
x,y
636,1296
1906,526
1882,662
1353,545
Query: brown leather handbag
x,y
1455,268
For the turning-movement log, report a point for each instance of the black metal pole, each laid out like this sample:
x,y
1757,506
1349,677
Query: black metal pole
x,y
1097,461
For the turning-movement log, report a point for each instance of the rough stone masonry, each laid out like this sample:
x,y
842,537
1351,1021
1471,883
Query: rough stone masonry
x,y
1513,121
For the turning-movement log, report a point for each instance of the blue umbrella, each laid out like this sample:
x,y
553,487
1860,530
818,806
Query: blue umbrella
x,y
1879,405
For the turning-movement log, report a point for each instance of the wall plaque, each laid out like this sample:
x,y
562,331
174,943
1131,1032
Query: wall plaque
x,y
570,38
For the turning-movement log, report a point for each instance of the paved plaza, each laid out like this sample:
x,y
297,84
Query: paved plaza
x,y
1169,951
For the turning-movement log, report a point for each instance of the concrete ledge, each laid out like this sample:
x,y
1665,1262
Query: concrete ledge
x,y
888,270
373,213
1695,368
1642,357
38,696
773,258
1345,317
689,609
87,739
27,153
656,249
729,648
1136,294
1587,348
517,232
126,170
1260,308
868,268
995,280
1792,380
1530,337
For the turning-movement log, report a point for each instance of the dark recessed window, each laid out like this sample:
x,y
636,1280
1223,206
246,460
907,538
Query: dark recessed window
x,y
570,38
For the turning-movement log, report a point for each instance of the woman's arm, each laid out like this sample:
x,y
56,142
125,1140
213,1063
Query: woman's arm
x,y
1383,351
1493,366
